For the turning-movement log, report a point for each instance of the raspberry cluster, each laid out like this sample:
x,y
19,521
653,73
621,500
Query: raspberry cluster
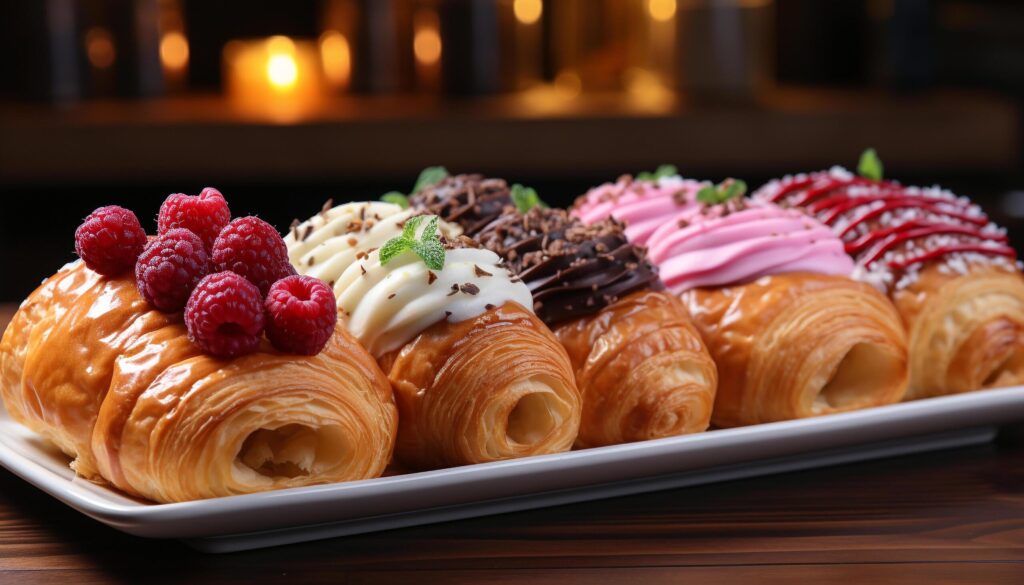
x,y
232,278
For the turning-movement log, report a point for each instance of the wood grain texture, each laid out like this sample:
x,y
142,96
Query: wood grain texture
x,y
949,517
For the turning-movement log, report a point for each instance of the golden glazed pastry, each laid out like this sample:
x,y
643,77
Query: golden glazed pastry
x,y
643,370
797,345
497,386
966,331
948,268
476,376
117,386
792,334
639,362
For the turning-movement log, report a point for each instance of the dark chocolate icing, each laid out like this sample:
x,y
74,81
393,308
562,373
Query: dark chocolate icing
x,y
573,269
472,201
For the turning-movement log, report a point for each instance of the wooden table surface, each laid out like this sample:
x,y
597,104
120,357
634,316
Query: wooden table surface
x,y
949,517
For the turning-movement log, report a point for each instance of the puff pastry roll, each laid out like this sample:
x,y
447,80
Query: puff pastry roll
x,y
797,345
476,376
948,268
753,278
643,370
497,386
641,366
120,388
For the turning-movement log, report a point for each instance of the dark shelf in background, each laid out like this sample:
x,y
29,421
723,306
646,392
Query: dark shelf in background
x,y
360,138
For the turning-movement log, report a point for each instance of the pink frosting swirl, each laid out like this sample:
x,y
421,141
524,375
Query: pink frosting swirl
x,y
740,242
642,205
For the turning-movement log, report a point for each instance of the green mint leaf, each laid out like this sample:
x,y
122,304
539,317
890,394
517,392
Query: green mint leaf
x,y
731,188
393,248
430,230
431,252
870,166
659,173
429,176
665,171
409,229
397,198
526,198
708,195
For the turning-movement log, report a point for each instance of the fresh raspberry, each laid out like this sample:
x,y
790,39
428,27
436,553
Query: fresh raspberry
x,y
301,314
224,315
170,267
110,240
204,214
252,248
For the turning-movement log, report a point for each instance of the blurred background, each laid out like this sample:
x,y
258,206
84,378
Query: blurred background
x,y
284,104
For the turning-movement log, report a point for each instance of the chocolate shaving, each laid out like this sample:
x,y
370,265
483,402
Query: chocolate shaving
x,y
327,206
573,269
431,277
472,201
480,272
469,288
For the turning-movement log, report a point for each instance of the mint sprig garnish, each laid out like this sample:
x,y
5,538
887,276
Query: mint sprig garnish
x,y
428,246
659,173
429,176
526,198
399,199
870,166
724,191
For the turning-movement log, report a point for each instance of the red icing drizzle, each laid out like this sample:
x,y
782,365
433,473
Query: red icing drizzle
x,y
827,197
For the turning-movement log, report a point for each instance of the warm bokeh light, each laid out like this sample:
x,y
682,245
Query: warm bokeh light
x,y
528,11
174,50
426,43
282,71
99,46
647,90
568,84
661,10
277,77
336,55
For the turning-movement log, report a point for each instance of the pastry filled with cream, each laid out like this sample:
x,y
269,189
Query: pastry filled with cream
x,y
640,363
948,268
769,290
476,375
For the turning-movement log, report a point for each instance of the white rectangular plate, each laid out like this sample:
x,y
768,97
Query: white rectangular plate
x,y
301,514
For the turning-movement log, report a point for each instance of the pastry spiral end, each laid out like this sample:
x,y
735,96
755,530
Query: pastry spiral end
x,y
643,370
798,345
966,330
498,386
